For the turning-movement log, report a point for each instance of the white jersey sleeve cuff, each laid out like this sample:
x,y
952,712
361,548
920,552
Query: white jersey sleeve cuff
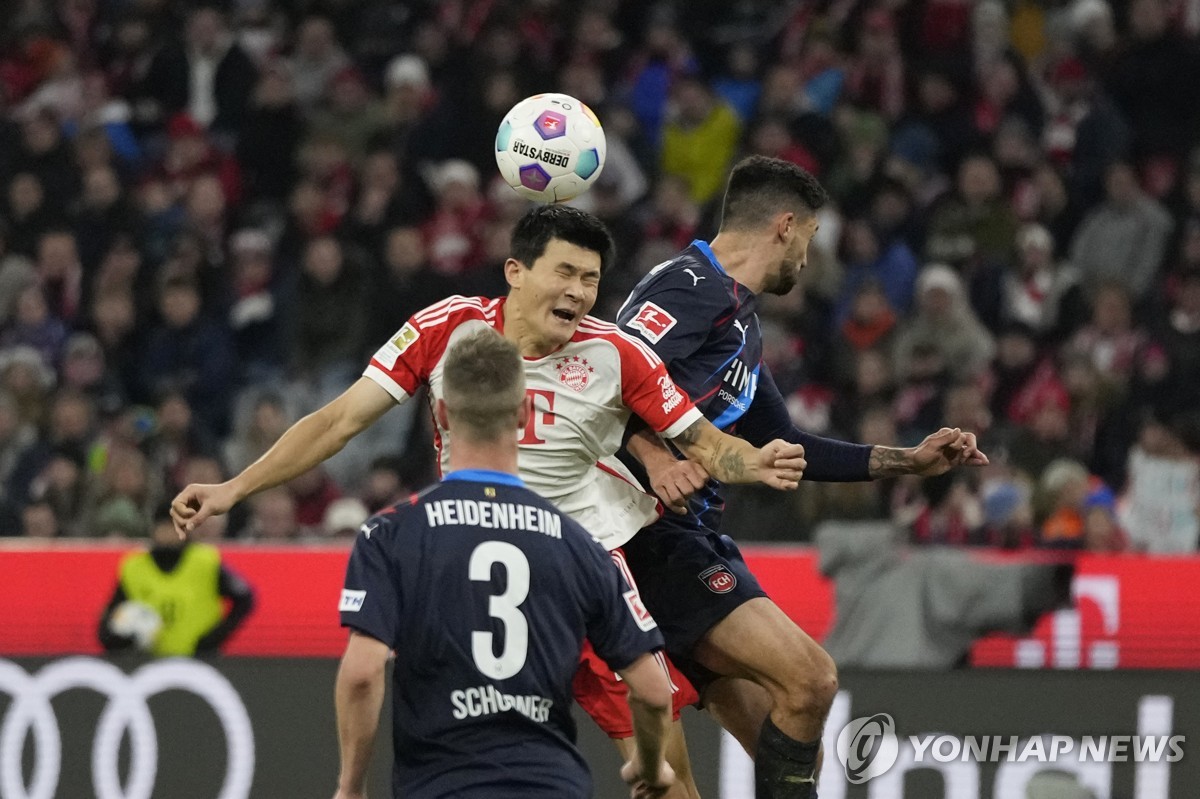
x,y
685,421
386,383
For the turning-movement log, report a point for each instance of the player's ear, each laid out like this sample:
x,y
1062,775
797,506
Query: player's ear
x,y
785,223
525,412
512,272
441,414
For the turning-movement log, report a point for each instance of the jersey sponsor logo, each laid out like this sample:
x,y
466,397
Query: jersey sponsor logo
x,y
542,414
732,400
645,621
738,376
390,352
718,579
573,372
352,601
695,278
652,322
670,394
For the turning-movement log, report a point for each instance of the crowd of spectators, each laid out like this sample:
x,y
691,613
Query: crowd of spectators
x,y
211,215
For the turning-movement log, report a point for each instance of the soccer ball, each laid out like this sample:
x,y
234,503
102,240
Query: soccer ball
x,y
138,621
550,148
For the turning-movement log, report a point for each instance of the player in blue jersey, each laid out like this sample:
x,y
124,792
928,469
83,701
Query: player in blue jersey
x,y
698,312
486,592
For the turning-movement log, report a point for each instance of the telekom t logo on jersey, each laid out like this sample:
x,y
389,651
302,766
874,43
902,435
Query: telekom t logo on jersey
x,y
543,414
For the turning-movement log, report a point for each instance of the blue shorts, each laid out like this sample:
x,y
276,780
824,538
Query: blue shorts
x,y
689,580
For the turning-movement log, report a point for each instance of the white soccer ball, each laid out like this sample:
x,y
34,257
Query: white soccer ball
x,y
550,148
138,621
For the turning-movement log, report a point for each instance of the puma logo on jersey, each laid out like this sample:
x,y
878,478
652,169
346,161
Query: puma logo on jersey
x,y
368,529
741,328
695,278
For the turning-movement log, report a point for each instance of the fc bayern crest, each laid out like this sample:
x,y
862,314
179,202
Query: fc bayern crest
x,y
574,372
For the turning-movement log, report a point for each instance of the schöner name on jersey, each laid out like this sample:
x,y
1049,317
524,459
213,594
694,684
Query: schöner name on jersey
x,y
493,516
486,700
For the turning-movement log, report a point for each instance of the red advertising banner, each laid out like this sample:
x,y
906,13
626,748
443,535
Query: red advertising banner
x,y
1130,611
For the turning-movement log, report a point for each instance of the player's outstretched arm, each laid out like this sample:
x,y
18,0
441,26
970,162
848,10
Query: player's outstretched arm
x,y
647,772
729,459
308,442
358,698
937,454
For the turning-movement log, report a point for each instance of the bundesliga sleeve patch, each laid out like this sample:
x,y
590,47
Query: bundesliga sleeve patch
x,y
641,616
400,342
652,322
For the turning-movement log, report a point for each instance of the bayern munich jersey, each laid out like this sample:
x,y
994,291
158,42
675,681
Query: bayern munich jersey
x,y
583,395
486,591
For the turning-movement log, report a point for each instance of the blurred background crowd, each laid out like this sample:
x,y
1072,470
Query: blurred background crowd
x,y
211,216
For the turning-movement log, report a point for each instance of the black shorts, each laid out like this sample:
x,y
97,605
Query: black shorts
x,y
689,580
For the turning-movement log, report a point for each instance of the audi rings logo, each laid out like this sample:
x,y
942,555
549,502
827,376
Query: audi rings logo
x,y
127,712
868,747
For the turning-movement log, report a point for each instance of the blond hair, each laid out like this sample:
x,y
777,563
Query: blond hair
x,y
483,386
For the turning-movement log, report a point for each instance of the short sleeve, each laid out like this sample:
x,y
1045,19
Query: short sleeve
x,y
403,364
619,627
370,595
648,390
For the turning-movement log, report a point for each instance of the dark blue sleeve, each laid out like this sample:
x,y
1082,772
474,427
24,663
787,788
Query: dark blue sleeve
x,y
370,596
671,315
829,461
620,628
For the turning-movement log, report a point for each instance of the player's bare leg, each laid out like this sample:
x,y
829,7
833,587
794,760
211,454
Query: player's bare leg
x,y
758,642
740,706
677,758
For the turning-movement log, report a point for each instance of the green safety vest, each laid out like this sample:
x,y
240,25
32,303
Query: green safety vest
x,y
187,598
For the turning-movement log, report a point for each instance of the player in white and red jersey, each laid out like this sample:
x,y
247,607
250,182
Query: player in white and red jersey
x,y
584,376
583,395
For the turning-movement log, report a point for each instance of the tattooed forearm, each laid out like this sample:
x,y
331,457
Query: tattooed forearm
x,y
888,462
723,456
731,466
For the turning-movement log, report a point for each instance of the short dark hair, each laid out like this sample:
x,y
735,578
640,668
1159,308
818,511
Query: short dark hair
x,y
760,187
483,385
536,228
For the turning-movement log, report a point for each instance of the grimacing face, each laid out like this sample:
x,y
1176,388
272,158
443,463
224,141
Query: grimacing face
x,y
795,256
551,296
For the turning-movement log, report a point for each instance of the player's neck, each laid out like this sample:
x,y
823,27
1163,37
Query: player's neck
x,y
494,457
529,343
740,256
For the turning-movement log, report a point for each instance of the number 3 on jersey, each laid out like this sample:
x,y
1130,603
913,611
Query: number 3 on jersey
x,y
505,607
